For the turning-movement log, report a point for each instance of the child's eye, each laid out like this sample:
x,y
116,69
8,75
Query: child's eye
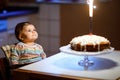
x,y
34,30
29,30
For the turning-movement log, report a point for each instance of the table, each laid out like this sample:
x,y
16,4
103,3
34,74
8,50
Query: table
x,y
62,66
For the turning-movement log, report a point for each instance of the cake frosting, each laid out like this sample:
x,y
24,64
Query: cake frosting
x,y
89,43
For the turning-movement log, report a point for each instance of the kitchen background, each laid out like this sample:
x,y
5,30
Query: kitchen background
x,y
58,21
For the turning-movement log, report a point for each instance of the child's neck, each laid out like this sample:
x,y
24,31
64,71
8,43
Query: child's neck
x,y
29,43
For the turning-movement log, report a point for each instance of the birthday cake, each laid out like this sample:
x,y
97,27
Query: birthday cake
x,y
90,43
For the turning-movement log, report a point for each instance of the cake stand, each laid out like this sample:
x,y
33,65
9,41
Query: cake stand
x,y
86,62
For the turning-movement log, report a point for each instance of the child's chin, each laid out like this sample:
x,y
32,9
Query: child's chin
x,y
34,39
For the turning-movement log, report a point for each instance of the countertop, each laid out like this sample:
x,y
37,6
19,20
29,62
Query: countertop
x,y
105,66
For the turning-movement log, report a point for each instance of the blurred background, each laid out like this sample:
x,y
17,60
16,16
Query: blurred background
x,y
58,21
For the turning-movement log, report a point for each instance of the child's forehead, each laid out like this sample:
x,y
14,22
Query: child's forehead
x,y
30,26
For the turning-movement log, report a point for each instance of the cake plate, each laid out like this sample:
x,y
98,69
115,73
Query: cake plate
x,y
86,62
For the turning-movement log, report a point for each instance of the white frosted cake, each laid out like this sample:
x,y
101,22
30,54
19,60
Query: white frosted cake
x,y
89,43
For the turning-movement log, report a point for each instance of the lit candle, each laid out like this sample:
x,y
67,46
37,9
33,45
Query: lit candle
x,y
90,8
90,2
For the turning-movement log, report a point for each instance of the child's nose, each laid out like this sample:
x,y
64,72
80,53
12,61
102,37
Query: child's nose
x,y
33,31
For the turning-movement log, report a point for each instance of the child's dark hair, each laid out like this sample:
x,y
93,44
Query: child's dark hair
x,y
19,28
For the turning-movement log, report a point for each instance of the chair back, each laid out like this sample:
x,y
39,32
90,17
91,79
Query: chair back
x,y
7,51
7,72
5,63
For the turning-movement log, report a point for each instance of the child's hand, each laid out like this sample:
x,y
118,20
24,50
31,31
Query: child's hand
x,y
43,55
14,62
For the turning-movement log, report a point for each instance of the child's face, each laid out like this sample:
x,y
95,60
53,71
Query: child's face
x,y
28,34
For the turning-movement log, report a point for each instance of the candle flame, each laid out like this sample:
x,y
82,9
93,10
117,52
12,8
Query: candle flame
x,y
90,2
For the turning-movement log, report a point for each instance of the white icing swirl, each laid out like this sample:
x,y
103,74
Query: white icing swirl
x,y
88,39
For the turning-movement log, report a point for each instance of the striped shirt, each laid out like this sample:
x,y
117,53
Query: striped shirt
x,y
23,53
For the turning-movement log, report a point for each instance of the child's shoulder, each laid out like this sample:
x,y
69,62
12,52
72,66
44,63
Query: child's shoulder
x,y
38,45
19,45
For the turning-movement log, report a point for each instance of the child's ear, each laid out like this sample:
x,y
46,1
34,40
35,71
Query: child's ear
x,y
20,37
